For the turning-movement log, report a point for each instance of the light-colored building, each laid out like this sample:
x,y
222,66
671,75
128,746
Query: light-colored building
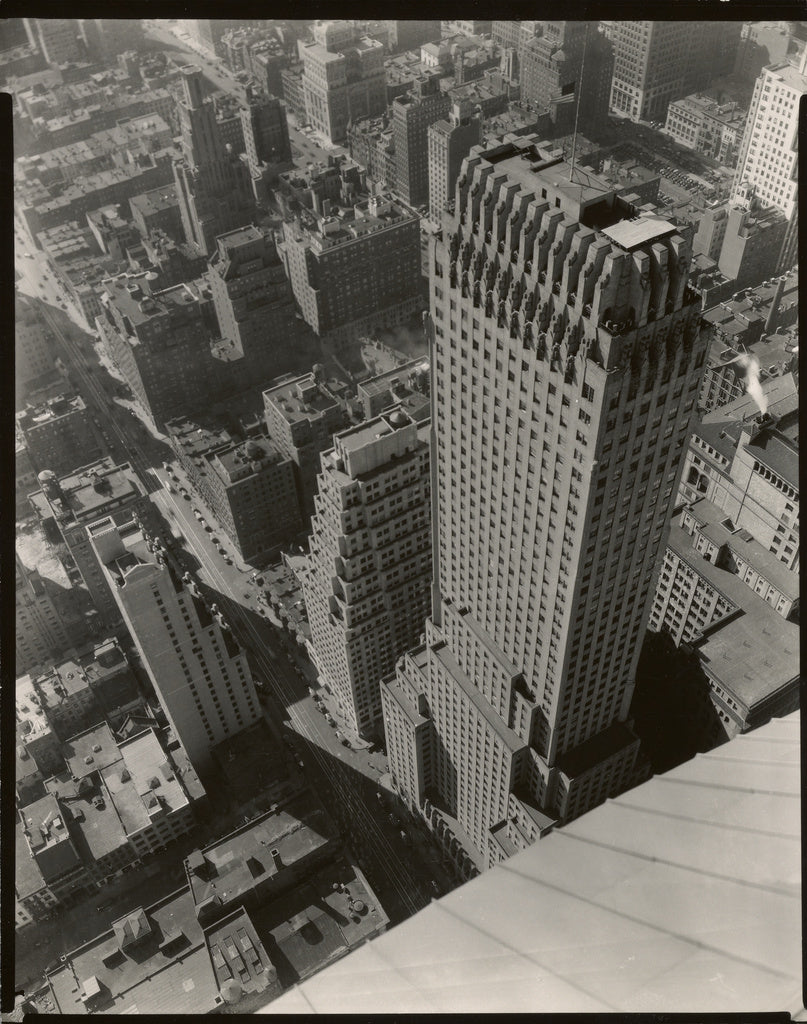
x,y
656,62
66,506
198,671
449,142
768,159
367,581
57,38
747,464
565,363
701,122
343,77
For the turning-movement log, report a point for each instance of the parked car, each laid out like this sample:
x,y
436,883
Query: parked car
x,y
329,718
405,838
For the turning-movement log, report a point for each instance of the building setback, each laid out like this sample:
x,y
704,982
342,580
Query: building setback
x,y
198,671
66,506
367,581
566,360
302,415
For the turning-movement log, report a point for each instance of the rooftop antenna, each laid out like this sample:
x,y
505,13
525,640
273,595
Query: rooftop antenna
x,y
579,91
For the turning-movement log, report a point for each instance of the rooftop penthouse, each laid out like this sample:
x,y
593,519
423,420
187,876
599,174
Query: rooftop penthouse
x,y
241,461
349,225
301,398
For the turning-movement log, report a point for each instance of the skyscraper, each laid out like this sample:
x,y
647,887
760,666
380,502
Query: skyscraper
x,y
566,361
450,141
198,671
213,184
659,61
367,580
768,158
412,114
343,77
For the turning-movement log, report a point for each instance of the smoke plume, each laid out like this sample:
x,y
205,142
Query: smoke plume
x,y
750,364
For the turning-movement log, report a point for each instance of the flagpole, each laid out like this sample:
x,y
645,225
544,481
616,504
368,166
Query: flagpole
x,y
577,104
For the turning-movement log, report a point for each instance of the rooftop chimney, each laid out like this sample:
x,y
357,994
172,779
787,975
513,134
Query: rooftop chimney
x,y
277,859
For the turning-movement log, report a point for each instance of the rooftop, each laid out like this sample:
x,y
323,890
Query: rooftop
x,y
168,967
91,751
143,786
232,866
301,398
245,459
93,488
31,720
48,837
195,439
154,200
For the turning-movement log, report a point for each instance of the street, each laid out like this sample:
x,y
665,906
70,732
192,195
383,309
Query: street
x,y
346,779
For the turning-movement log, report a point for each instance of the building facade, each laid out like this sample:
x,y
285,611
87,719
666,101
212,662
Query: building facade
x,y
566,359
66,506
656,62
252,489
59,434
255,308
198,671
302,415
213,184
343,78
351,274
367,582
768,159
160,344
40,632
412,114
449,141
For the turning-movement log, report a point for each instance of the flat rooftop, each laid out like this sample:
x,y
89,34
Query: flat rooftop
x,y
300,398
197,439
638,231
91,751
95,487
239,861
155,200
143,785
169,969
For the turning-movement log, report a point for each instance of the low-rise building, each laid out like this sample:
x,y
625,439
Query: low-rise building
x,y
703,123
406,385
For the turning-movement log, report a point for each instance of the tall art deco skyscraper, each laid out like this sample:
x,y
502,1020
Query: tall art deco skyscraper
x,y
213,184
566,361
